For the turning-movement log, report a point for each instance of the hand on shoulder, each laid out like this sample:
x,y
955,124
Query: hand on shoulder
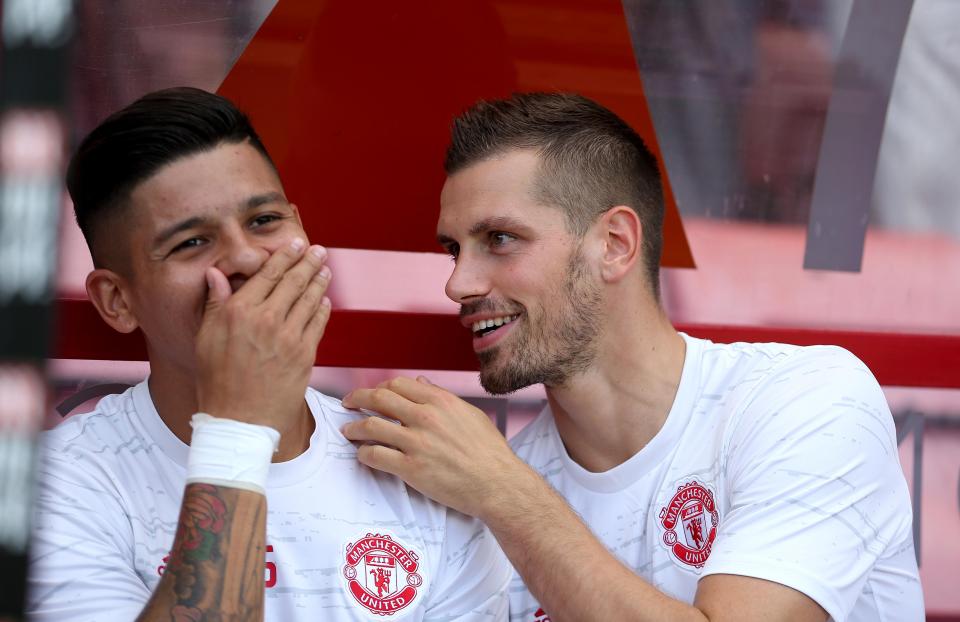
x,y
444,447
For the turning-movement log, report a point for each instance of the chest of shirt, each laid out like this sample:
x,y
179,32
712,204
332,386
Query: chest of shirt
x,y
347,542
662,520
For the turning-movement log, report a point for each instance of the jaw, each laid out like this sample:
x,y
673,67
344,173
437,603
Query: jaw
x,y
504,367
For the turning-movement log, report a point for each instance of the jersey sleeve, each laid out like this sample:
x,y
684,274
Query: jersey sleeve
x,y
472,584
81,557
816,493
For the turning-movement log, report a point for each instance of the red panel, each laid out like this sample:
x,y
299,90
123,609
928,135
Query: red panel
x,y
354,100
81,334
392,340
896,359
381,339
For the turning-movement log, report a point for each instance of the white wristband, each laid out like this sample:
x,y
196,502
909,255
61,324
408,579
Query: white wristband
x,y
224,452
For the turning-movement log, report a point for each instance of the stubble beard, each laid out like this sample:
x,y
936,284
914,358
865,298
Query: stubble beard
x,y
560,345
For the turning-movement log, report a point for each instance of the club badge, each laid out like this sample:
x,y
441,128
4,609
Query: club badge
x,y
693,513
381,574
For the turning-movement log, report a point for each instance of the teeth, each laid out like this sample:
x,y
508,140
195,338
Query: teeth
x,y
497,321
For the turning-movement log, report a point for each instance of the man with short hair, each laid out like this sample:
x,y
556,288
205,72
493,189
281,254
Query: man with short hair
x,y
195,243
668,478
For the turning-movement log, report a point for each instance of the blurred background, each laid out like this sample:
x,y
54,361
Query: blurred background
x,y
808,147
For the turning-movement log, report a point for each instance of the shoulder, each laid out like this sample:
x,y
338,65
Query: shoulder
x,y
814,493
330,412
332,409
824,359
733,364
814,379
107,425
760,359
778,359
820,410
752,376
94,455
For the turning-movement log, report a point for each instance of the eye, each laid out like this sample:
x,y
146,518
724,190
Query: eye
x,y
499,238
264,219
453,249
186,244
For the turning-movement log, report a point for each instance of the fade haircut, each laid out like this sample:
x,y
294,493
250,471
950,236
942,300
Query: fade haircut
x,y
137,141
590,160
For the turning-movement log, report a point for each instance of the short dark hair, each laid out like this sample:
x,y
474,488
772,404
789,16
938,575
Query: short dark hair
x,y
135,142
590,159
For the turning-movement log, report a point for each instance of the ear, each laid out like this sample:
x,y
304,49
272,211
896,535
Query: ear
x,y
107,292
621,235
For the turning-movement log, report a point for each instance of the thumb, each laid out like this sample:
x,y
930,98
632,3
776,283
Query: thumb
x,y
218,288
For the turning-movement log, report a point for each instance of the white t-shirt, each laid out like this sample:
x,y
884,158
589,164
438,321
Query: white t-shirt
x,y
776,462
344,542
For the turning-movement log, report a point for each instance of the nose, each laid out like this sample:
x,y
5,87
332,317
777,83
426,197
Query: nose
x,y
468,281
240,257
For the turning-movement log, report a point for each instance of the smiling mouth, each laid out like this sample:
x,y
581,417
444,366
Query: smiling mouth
x,y
485,327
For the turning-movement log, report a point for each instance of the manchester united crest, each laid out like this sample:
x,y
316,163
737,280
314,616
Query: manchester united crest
x,y
382,574
689,522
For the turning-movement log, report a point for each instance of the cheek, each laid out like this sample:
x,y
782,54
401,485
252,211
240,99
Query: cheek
x,y
513,277
178,293
183,281
293,229
534,281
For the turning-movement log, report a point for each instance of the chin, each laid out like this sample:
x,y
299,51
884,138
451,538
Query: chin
x,y
504,381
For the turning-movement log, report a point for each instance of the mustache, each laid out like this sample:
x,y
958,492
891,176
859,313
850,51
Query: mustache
x,y
488,305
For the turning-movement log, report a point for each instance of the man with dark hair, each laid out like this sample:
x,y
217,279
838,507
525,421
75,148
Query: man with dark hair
x,y
196,244
668,478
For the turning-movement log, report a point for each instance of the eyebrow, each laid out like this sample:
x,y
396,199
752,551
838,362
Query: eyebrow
x,y
495,223
263,199
251,203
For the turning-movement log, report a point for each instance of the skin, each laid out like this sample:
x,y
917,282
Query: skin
x,y
605,413
216,272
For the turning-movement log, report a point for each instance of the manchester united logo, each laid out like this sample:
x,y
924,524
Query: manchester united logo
x,y
693,513
382,574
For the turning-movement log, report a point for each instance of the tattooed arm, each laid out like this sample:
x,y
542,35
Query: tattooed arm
x,y
215,570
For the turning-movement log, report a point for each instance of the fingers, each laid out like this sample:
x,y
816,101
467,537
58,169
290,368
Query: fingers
x,y
377,430
382,458
416,391
259,286
315,328
218,288
306,306
295,281
383,401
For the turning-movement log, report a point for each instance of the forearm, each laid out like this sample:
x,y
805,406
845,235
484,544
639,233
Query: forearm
x,y
565,567
216,566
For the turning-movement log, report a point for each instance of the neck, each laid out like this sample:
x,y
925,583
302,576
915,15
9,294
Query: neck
x,y
174,394
608,413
